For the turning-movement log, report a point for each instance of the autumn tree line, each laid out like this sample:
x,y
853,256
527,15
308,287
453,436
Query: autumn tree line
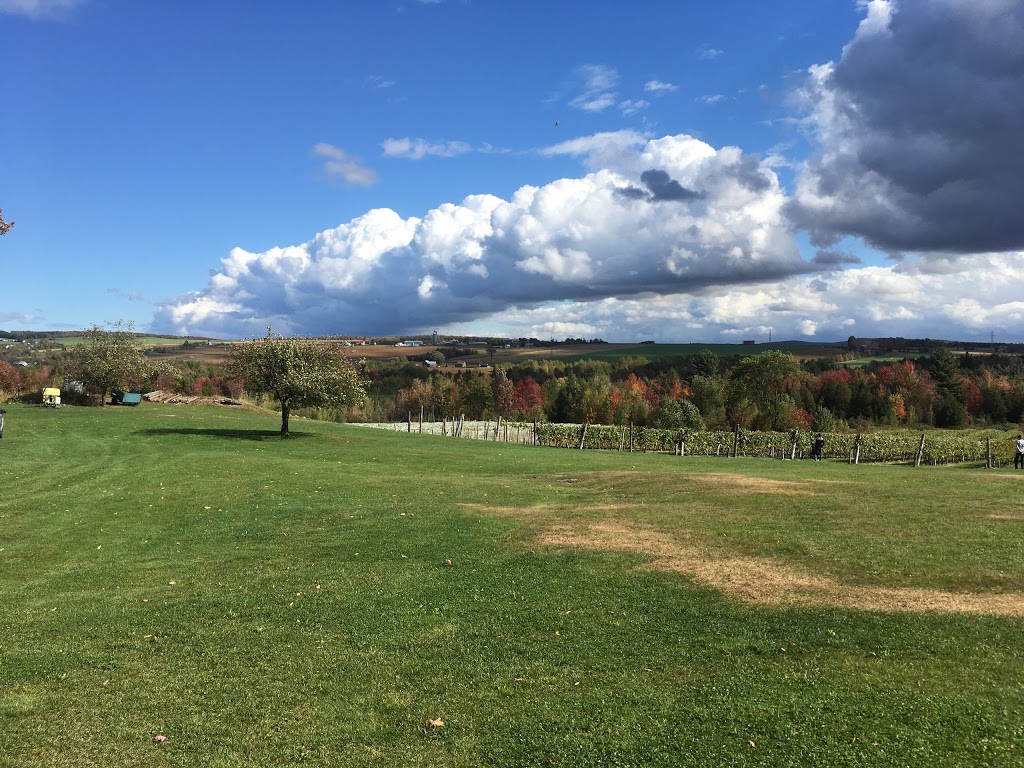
x,y
772,390
769,391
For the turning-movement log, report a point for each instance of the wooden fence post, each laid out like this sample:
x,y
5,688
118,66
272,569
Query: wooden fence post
x,y
920,452
736,442
535,430
631,436
409,422
583,435
796,439
421,419
988,453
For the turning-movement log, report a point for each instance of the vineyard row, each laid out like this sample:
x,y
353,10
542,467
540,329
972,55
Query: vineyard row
x,y
994,447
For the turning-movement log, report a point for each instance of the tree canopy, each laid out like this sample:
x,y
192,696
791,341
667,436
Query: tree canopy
x,y
298,373
109,359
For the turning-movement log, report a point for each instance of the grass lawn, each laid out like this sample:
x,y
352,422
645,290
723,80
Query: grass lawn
x,y
183,572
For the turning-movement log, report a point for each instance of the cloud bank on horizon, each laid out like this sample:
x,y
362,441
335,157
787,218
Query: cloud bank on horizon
x,y
915,136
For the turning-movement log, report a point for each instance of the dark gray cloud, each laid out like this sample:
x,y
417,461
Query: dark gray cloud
x,y
920,126
753,176
661,187
664,187
833,258
633,193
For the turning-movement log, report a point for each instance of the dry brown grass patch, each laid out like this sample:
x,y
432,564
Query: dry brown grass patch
x,y
722,482
765,582
743,484
543,510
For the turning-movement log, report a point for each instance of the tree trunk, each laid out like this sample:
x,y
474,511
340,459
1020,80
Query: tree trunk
x,y
284,418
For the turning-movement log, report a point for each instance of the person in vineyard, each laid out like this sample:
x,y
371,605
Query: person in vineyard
x,y
1018,458
818,448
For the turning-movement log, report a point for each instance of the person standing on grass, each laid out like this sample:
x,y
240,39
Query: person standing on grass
x,y
818,448
1018,459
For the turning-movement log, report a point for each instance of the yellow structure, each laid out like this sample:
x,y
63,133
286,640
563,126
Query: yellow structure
x,y
51,397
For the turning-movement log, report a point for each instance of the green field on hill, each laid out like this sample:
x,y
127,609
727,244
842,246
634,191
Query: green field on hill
x,y
614,352
143,341
355,597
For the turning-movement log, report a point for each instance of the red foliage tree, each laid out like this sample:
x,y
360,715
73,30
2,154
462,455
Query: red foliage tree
x,y
527,396
974,400
10,378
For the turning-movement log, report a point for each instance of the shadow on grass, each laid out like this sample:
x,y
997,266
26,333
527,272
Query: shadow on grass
x,y
227,434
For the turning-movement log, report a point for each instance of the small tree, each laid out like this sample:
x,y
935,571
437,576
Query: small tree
x,y
504,392
677,414
298,373
5,226
825,421
109,359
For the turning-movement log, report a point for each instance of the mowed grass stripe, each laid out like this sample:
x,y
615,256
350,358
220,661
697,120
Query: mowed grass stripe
x,y
181,571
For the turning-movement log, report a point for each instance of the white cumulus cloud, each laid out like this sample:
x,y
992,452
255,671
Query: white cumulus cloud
x,y
661,217
907,299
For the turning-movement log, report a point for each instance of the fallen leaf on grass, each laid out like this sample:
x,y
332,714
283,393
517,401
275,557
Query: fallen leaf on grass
x,y
436,723
159,739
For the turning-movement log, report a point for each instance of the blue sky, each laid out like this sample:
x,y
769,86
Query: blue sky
x,y
645,170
